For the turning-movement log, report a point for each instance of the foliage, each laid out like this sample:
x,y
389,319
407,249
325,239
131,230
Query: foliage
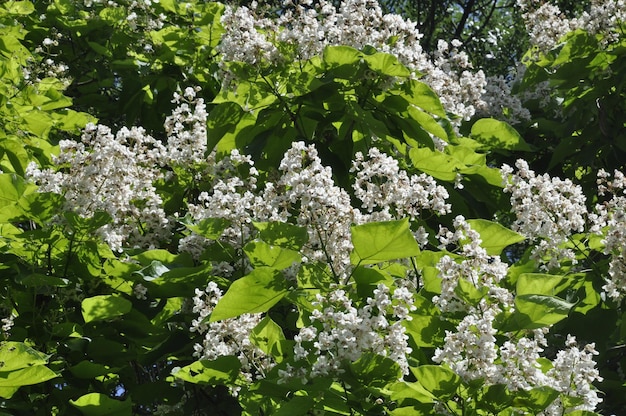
x,y
314,235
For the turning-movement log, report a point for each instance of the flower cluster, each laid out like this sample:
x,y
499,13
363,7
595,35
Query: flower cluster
x,y
305,29
611,223
482,271
547,24
475,352
341,332
186,129
548,211
114,174
386,192
229,336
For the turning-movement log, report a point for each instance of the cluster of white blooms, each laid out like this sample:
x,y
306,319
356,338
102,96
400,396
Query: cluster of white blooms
x,y
611,223
7,324
307,193
306,28
474,351
114,174
499,100
231,196
186,129
228,336
573,372
483,271
451,76
341,333
386,192
546,24
471,350
548,211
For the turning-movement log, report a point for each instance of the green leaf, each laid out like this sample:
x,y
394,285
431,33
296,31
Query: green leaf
x,y
223,118
536,399
437,164
98,308
222,370
495,236
282,234
11,381
422,96
376,242
542,310
539,284
427,330
341,55
211,228
89,370
19,7
468,292
17,355
440,381
38,279
256,292
386,64
375,370
299,405
12,187
263,254
495,134
86,225
266,334
98,404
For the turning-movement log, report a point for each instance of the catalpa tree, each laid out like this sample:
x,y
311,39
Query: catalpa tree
x,y
209,209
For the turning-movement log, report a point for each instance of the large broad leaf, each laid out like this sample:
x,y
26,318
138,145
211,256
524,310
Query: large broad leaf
x,y
539,284
495,236
266,334
440,381
386,64
222,370
16,355
11,381
211,228
536,399
299,405
19,7
376,242
282,234
263,254
542,310
375,370
422,96
437,164
341,55
255,292
98,308
495,134
97,404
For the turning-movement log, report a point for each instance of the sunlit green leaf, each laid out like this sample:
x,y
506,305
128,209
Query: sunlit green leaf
x,y
98,404
256,292
102,307
495,134
282,234
495,237
440,381
381,241
223,370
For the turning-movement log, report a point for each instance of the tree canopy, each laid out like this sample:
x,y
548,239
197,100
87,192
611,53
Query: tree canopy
x,y
312,208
